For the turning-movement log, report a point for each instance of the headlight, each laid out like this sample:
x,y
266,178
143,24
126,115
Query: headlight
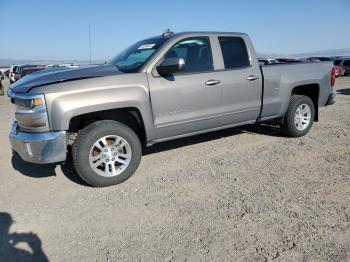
x,y
31,113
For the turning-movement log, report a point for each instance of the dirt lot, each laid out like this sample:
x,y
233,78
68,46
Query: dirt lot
x,y
245,194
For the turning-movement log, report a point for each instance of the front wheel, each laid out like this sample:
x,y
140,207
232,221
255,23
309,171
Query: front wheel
x,y
299,117
106,153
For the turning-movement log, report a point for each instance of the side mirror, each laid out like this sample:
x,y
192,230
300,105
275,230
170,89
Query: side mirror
x,y
171,65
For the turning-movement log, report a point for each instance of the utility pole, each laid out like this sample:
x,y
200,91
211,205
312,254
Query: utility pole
x,y
90,45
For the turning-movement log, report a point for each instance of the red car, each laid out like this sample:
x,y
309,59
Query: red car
x,y
343,63
28,70
339,71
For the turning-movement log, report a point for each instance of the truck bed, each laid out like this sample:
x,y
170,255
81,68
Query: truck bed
x,y
279,80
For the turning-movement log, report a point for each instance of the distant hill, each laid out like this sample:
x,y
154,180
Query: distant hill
x,y
330,52
273,55
8,62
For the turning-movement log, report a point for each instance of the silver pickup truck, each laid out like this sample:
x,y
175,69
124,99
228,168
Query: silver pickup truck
x,y
158,89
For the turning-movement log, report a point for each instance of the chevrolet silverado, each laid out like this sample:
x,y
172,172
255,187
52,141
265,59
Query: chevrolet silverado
x,y
161,88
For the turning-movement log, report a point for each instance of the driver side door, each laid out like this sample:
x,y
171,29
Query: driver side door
x,y
188,101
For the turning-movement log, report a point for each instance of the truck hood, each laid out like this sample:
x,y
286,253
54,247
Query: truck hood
x,y
51,76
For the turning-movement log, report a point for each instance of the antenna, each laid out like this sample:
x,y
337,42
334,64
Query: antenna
x,y
90,45
167,32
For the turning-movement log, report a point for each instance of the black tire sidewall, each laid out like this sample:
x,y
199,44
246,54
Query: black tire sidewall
x,y
290,126
83,144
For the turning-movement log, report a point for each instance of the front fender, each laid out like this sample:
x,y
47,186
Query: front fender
x,y
90,95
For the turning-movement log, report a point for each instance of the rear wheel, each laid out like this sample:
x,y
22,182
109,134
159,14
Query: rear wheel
x,y
299,117
106,153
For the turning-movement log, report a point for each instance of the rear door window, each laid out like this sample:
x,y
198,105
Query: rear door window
x,y
234,51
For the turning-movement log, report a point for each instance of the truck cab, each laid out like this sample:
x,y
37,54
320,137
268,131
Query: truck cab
x,y
220,84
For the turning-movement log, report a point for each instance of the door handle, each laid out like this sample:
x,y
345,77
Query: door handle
x,y
212,82
252,78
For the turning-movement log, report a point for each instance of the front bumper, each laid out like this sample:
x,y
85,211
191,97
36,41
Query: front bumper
x,y
39,148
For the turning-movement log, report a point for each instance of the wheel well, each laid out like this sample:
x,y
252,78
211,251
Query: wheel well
x,y
312,91
128,116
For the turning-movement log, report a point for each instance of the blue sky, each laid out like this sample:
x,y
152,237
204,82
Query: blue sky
x,y
34,29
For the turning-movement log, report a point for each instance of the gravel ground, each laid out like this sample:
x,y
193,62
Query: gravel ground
x,y
245,194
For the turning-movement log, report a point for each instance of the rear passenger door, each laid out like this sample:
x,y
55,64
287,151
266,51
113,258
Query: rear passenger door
x,y
241,80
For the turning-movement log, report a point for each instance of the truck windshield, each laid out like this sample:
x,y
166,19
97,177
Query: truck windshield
x,y
134,57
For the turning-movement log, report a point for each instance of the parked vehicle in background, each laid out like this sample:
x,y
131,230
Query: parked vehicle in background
x,y
18,73
322,58
12,73
344,63
162,88
339,71
267,61
2,89
288,60
310,59
3,70
337,61
28,70
7,72
67,65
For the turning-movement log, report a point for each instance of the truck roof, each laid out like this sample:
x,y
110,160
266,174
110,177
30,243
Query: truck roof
x,y
214,33
169,34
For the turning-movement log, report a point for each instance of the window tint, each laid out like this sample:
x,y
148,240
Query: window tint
x,y
337,62
28,71
196,52
234,52
346,63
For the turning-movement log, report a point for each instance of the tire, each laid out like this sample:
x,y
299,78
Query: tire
x,y
294,125
86,148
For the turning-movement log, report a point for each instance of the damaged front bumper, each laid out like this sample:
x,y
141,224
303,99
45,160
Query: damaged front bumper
x,y
39,148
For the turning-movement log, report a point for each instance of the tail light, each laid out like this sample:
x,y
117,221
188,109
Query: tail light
x,y
333,76
17,77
